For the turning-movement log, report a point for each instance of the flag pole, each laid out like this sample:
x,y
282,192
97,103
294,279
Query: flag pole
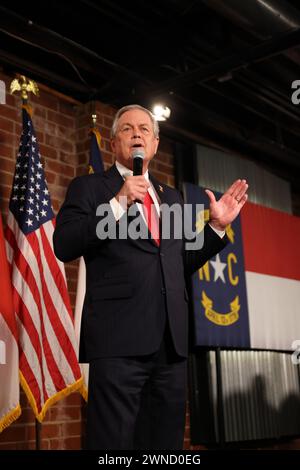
x,y
25,86
38,428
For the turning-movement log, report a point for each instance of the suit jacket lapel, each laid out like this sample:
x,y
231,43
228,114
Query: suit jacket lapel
x,y
158,188
113,180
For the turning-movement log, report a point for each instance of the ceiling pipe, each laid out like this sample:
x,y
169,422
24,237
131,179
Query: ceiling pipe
x,y
264,19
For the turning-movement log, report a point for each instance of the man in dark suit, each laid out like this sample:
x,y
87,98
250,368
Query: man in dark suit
x,y
135,315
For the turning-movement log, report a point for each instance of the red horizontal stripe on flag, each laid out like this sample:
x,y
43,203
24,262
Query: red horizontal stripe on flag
x,y
271,241
31,381
58,277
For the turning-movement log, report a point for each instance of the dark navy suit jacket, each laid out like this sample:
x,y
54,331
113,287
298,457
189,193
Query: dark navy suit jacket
x,y
131,285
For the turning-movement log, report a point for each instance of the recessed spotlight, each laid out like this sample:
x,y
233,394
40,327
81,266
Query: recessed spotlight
x,y
160,112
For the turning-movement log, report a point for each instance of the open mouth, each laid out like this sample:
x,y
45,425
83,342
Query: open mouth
x,y
137,146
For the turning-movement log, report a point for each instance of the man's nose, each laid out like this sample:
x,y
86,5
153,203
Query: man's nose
x,y
136,134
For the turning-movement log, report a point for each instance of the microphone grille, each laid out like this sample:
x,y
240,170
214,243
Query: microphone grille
x,y
138,153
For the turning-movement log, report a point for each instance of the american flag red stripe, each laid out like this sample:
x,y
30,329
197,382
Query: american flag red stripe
x,y
47,344
47,234
33,386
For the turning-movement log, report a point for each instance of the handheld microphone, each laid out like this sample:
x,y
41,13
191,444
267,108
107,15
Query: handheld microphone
x,y
138,156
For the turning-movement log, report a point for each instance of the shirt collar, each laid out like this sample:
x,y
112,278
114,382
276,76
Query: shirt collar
x,y
124,171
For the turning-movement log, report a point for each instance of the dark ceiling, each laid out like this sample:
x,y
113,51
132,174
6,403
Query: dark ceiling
x,y
225,68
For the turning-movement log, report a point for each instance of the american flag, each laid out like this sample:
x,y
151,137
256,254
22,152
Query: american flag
x,y
48,364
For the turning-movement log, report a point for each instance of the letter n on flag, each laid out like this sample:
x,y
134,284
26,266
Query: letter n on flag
x,y
9,357
49,369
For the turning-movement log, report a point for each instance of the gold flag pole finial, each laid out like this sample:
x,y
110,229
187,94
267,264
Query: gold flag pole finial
x,y
25,86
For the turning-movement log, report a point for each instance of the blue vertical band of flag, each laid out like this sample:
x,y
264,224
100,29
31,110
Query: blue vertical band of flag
x,y
96,161
219,288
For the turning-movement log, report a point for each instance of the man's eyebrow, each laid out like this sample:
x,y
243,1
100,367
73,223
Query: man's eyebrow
x,y
131,125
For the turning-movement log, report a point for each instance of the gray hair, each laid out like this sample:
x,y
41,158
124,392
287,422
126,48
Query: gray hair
x,y
123,110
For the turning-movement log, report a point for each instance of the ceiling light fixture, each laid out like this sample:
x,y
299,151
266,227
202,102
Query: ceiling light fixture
x,y
160,112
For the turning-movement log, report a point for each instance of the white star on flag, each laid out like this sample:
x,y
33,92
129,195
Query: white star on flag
x,y
219,269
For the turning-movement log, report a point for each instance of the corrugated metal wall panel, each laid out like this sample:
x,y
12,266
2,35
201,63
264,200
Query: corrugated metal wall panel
x,y
217,170
261,394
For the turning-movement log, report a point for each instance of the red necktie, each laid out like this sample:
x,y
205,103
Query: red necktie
x,y
151,217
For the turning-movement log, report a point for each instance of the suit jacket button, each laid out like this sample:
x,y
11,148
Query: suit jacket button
x,y
163,291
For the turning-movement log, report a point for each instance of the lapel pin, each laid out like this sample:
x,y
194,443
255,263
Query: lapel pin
x,y
161,188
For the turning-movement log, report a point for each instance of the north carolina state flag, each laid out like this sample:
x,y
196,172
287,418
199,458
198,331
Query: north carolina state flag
x,y
9,357
248,296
